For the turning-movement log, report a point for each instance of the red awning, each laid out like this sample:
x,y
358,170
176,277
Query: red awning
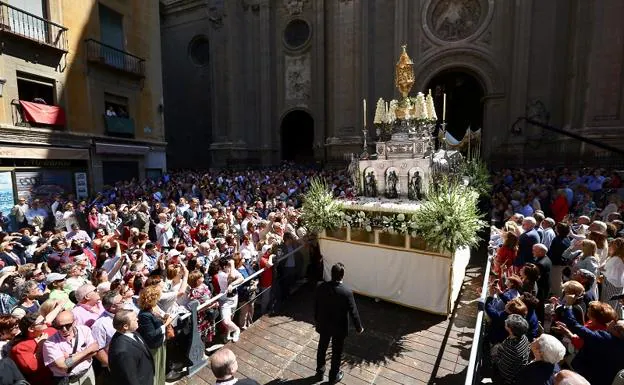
x,y
43,113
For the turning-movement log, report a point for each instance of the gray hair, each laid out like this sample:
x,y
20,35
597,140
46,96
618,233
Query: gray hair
x,y
517,324
27,287
551,349
222,363
531,220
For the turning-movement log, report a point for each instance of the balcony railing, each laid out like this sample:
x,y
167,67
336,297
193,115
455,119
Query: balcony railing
x,y
107,55
119,126
21,23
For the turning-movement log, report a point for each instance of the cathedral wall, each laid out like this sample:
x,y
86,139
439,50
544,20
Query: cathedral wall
x,y
187,87
560,61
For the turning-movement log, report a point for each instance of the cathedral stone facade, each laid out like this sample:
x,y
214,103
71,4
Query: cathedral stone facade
x,y
259,81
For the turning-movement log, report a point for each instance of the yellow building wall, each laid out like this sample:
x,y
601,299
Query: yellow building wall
x,y
83,84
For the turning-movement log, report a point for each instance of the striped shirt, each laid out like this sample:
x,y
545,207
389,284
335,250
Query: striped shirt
x,y
512,355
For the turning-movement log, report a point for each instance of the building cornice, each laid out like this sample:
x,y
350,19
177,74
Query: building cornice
x,y
169,7
46,137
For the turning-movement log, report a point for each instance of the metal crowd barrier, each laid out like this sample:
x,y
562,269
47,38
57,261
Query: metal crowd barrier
x,y
196,351
473,375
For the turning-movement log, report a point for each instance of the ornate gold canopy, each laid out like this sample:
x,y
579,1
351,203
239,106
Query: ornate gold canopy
x,y
404,73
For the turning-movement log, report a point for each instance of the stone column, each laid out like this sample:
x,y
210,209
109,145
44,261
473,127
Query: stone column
x,y
318,104
219,67
265,96
520,61
520,58
344,97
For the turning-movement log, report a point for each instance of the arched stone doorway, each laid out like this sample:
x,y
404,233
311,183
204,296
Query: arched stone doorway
x,y
464,100
297,132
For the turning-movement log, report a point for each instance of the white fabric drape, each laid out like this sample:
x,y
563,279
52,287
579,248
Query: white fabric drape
x,y
410,278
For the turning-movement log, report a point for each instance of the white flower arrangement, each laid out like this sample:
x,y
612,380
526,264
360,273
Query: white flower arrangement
x,y
391,116
380,112
420,99
448,220
431,112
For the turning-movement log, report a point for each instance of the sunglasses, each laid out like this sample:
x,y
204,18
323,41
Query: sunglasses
x,y
65,326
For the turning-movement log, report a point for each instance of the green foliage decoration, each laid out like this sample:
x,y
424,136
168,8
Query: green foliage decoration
x,y
449,218
476,170
320,211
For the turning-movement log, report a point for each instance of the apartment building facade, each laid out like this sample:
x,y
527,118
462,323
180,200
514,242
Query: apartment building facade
x,y
80,96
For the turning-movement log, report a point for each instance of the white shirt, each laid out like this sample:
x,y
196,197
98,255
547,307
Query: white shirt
x,y
163,237
103,330
549,235
109,264
70,218
614,271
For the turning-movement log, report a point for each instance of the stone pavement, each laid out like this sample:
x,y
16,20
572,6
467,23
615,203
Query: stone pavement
x,y
399,345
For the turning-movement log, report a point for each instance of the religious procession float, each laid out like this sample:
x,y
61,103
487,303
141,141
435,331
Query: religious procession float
x,y
406,237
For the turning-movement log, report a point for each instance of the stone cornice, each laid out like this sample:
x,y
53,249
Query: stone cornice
x,y
42,136
169,7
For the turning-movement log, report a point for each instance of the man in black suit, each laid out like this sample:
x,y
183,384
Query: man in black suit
x,y
129,359
543,283
333,306
526,241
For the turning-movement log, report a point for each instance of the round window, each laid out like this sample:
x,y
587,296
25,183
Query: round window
x,y
297,33
199,51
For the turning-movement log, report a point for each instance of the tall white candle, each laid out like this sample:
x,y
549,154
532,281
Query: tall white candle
x,y
444,109
364,102
387,111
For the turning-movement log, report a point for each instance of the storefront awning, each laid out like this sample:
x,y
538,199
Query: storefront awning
x,y
43,113
122,149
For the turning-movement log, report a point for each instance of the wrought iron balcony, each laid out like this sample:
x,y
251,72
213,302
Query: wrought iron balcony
x,y
20,23
119,126
98,52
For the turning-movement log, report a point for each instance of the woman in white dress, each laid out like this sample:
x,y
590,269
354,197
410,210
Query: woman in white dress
x,y
228,278
613,275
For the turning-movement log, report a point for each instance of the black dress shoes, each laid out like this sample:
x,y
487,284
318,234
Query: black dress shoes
x,y
338,378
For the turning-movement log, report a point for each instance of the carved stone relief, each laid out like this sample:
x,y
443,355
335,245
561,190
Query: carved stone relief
x,y
454,20
294,7
298,77
216,13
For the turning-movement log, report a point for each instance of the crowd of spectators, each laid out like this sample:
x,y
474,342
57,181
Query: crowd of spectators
x,y
76,274
555,304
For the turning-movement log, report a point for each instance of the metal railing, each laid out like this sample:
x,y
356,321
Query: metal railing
x,y
110,56
24,24
251,277
196,356
473,375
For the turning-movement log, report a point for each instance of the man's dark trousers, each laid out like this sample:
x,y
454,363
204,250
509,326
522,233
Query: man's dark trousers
x,y
321,353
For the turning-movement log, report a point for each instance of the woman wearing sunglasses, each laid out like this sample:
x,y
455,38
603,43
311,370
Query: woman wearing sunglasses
x,y
26,352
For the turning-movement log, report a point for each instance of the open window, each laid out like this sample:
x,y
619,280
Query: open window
x,y
115,105
117,118
36,89
36,103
